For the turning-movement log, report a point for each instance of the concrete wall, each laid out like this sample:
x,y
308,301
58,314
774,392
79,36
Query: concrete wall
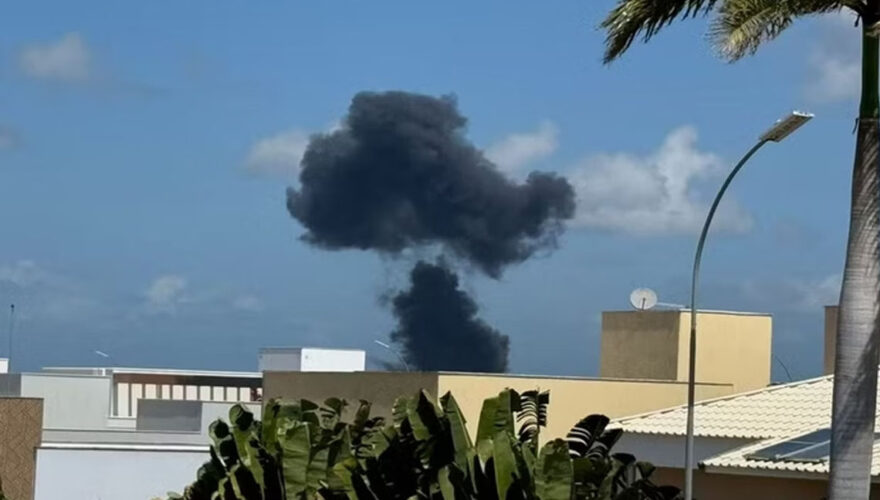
x,y
731,348
70,401
101,474
162,415
169,415
831,313
21,423
572,399
333,360
280,359
668,451
10,385
312,359
129,394
642,345
380,388
123,437
714,486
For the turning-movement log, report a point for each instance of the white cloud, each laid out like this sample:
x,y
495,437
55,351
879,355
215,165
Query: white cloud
x,y
653,194
67,59
279,154
836,77
22,273
834,63
39,293
9,138
520,149
799,294
248,303
813,295
165,292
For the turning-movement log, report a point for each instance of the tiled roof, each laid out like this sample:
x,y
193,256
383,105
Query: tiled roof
x,y
768,416
773,412
736,460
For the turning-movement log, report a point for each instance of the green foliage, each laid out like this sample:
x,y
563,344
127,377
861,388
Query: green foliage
x,y
303,451
739,27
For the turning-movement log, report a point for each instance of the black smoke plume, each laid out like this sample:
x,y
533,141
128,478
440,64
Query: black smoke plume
x,y
399,173
438,328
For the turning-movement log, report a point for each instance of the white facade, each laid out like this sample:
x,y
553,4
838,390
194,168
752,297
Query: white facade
x,y
126,386
668,451
75,402
115,472
162,454
131,433
312,359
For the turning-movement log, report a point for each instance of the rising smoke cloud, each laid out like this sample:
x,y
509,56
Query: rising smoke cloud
x,y
399,173
437,326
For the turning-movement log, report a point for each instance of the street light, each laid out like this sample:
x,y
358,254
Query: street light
x,y
395,351
779,131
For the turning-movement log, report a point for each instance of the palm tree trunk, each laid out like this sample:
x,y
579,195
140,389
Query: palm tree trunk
x,y
856,360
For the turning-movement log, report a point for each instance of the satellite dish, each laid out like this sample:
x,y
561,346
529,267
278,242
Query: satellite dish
x,y
643,298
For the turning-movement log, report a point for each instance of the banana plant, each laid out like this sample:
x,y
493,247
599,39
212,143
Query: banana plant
x,y
305,451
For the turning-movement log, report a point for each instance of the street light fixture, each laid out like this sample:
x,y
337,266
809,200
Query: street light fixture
x,y
395,351
779,131
786,126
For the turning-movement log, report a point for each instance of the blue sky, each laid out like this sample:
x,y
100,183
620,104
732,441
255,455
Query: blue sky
x,y
145,150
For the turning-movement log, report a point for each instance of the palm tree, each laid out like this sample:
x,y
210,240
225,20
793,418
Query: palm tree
x,y
738,28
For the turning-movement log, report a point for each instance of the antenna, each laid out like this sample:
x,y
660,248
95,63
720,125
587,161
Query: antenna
x,y
643,299
787,373
395,351
11,333
9,361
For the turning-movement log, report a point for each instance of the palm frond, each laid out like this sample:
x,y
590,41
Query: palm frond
x,y
532,415
631,18
743,25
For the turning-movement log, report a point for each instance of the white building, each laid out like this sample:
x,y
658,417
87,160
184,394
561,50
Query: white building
x,y
138,433
310,359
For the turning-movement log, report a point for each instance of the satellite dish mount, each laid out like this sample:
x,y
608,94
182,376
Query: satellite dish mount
x,y
643,299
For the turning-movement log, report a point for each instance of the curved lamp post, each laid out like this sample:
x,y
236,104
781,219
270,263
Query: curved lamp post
x,y
395,351
782,129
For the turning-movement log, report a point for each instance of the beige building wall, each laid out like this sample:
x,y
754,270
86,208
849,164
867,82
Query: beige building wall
x,y
379,388
648,337
570,398
714,486
830,338
21,427
732,348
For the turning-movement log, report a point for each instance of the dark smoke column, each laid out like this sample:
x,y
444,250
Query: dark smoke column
x,y
398,174
438,328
